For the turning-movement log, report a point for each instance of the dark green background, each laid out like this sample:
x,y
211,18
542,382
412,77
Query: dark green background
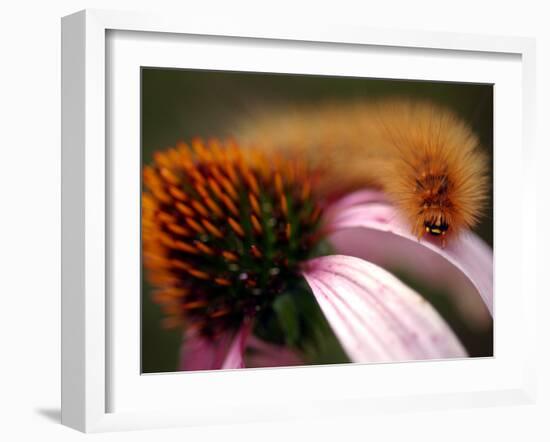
x,y
180,104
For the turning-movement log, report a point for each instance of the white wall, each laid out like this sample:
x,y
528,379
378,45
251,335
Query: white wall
x,y
30,218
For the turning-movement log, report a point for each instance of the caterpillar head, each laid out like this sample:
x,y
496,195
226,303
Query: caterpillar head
x,y
444,198
438,227
433,194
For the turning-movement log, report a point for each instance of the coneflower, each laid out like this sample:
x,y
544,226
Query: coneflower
x,y
227,230
223,234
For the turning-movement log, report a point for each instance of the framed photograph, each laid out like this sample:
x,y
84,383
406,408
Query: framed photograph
x,y
262,222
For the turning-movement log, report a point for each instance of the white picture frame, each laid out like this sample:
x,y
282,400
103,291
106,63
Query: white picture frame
x,y
87,203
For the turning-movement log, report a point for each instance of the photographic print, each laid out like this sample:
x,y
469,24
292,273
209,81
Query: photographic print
x,y
294,220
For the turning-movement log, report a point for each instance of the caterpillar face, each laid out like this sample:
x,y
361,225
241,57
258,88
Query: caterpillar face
x,y
437,228
433,192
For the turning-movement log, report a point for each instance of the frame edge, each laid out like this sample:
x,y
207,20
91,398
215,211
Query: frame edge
x,y
73,81
83,369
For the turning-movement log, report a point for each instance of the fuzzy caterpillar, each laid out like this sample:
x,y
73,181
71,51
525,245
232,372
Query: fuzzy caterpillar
x,y
426,159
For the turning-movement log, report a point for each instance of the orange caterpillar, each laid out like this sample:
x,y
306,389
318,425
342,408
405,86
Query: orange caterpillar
x,y
427,160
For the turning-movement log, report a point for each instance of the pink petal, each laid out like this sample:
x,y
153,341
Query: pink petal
x,y
375,316
200,353
265,354
355,198
226,351
466,263
235,355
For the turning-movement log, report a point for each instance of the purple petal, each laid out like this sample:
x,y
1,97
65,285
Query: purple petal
x,y
375,316
356,198
466,263
226,351
264,354
235,355
200,353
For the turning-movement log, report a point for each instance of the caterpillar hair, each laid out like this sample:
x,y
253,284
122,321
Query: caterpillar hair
x,y
425,158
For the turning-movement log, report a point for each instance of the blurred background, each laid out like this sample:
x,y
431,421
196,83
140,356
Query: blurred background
x,y
180,104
